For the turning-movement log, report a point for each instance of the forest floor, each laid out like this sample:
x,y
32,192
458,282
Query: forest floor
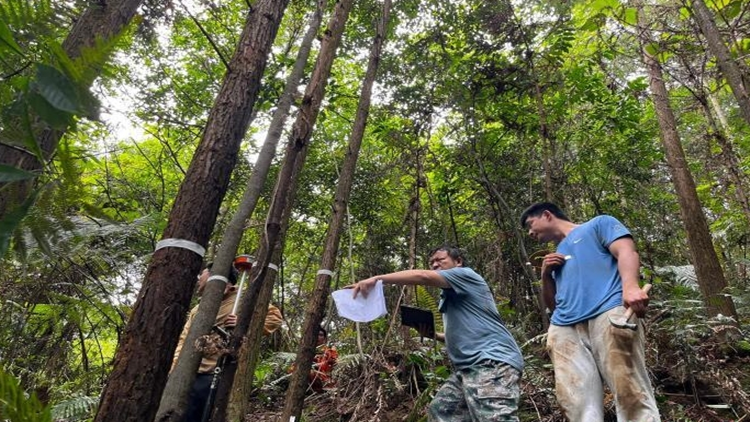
x,y
696,375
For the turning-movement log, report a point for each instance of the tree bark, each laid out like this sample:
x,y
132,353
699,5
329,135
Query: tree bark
x,y
296,150
708,270
101,20
178,386
145,352
727,65
314,313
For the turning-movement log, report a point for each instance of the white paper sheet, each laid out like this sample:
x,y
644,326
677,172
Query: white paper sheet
x,y
361,309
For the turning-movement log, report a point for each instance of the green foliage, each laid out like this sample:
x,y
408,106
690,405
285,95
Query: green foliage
x,y
16,406
75,409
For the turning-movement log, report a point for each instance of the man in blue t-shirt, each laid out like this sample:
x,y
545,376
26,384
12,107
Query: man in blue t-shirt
x,y
592,277
488,362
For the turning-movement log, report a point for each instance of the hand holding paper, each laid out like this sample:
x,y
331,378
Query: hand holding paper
x,y
363,302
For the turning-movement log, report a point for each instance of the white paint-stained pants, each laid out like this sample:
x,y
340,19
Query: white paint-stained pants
x,y
585,353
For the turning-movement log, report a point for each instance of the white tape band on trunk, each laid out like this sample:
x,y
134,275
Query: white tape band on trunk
x,y
218,277
326,272
181,243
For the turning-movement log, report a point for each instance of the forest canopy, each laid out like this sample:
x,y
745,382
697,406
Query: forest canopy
x,y
338,140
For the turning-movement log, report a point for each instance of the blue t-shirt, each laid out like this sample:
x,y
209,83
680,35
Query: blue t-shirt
x,y
588,284
474,331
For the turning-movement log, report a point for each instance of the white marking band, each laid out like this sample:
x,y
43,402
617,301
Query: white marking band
x,y
326,272
273,267
181,243
218,277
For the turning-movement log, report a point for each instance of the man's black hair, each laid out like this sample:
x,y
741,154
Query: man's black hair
x,y
232,274
539,208
323,330
454,252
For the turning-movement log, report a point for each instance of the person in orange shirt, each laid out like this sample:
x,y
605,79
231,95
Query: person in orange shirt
x,y
323,362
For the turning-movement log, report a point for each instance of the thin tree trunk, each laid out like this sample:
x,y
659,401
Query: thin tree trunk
x,y
727,65
710,275
282,197
249,353
552,179
314,313
178,386
101,20
145,353
522,253
728,156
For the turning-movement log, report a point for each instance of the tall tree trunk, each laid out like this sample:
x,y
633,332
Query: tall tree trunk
x,y
145,352
728,158
707,267
722,134
501,207
727,65
553,177
178,386
282,197
102,20
314,312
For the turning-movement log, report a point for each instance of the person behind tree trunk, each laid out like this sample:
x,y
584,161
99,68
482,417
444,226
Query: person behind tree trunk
x,y
323,362
224,319
485,385
592,277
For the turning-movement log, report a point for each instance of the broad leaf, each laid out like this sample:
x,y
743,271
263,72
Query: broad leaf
x,y
56,88
54,116
10,222
12,174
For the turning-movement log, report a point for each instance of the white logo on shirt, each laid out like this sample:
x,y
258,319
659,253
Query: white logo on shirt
x,y
578,240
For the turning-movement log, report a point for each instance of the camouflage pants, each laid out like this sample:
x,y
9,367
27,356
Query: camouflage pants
x,y
487,392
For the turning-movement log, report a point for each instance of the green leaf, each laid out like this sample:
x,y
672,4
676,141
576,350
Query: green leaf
x,y
12,174
10,222
599,5
53,116
733,9
56,88
630,17
652,49
6,38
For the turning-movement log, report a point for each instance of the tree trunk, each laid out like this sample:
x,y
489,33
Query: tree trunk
x,y
728,157
523,256
178,386
314,313
296,150
144,355
101,20
707,268
727,65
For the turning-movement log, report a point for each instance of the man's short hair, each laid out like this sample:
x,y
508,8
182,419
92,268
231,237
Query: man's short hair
x,y
454,252
322,330
233,273
539,208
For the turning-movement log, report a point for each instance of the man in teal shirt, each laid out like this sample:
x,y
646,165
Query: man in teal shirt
x,y
488,362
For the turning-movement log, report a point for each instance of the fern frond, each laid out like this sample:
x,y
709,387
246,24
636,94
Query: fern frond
x,y
76,408
17,406
426,300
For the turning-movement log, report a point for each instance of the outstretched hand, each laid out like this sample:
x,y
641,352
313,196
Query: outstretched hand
x,y
362,287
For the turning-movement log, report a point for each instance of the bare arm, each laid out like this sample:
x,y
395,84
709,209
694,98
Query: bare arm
x,y
404,278
628,265
551,262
